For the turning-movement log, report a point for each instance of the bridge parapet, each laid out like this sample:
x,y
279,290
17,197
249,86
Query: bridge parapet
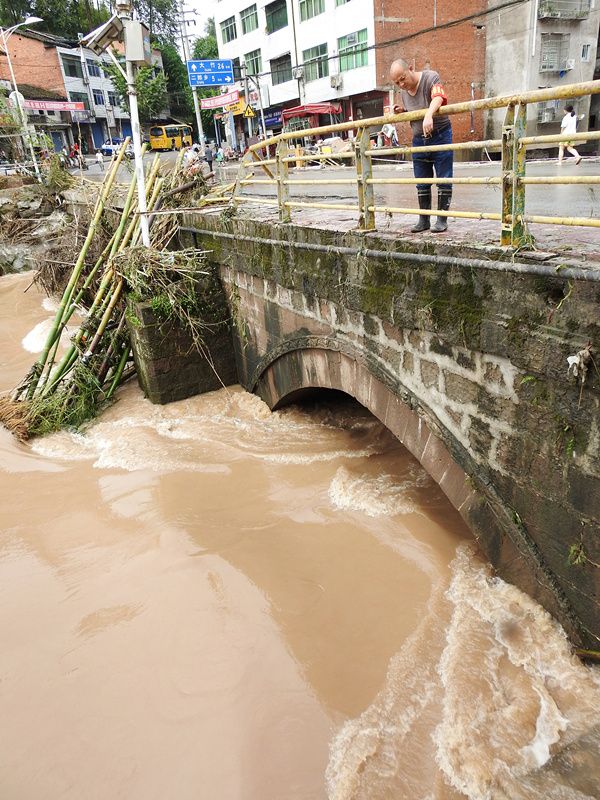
x,y
463,355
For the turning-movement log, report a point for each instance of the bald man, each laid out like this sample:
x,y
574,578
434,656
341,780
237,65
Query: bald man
x,y
420,90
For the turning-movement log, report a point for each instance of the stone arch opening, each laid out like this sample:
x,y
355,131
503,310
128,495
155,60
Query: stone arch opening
x,y
296,373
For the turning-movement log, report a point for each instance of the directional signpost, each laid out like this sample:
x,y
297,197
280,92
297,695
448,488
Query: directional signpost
x,y
210,73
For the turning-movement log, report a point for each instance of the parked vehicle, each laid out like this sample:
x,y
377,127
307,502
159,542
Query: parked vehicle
x,y
112,146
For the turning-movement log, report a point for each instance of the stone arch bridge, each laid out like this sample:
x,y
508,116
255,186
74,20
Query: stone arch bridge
x,y
461,352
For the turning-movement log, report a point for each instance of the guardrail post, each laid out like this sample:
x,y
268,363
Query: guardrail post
x,y
283,189
520,236
364,171
513,169
508,134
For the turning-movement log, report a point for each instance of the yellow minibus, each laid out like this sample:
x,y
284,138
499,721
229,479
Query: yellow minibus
x,y
170,137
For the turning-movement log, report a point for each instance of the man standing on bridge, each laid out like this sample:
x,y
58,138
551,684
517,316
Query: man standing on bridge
x,y
420,90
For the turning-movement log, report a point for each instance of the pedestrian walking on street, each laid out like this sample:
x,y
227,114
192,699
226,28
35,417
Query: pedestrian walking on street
x,y
209,157
100,160
568,125
424,90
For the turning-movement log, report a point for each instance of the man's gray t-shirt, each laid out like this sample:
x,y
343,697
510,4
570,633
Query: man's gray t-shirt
x,y
422,99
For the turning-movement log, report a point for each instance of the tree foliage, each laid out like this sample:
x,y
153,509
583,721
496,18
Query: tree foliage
x,y
161,17
178,88
66,18
151,90
205,47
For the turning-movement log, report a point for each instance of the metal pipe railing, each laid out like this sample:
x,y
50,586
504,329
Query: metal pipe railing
x,y
512,180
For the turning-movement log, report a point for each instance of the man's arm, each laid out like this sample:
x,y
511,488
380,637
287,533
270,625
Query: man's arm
x,y
438,99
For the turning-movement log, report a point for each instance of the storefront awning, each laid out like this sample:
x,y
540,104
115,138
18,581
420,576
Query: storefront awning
x,y
310,109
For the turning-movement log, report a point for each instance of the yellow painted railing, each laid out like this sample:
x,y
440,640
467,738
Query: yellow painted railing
x,y
512,178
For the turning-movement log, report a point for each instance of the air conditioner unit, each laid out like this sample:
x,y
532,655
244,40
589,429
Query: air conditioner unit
x,y
351,38
336,81
298,73
570,63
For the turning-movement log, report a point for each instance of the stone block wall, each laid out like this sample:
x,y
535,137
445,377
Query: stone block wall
x,y
169,365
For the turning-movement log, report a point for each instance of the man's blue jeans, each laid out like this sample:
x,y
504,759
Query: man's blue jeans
x,y
441,161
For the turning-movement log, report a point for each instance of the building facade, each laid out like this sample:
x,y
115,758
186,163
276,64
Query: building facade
x,y
51,66
538,44
314,56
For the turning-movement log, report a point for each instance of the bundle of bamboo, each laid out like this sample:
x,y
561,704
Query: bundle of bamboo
x,y
68,390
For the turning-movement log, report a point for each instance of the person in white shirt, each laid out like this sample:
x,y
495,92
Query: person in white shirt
x,y
568,125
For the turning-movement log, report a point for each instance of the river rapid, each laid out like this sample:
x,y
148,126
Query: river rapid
x,y
210,600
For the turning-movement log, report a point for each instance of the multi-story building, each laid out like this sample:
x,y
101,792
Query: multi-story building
x,y
332,57
51,66
313,56
542,43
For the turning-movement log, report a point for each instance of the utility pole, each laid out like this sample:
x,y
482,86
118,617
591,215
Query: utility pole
x,y
186,56
124,13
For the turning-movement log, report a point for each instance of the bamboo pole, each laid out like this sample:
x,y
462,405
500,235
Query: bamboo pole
x,y
584,136
567,91
582,222
492,181
77,269
562,179
337,206
436,212
118,372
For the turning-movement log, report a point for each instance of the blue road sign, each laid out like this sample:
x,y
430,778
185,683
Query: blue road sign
x,y
210,73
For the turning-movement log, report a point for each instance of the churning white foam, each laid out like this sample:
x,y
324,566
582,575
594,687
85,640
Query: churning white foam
x,y
382,495
138,435
488,689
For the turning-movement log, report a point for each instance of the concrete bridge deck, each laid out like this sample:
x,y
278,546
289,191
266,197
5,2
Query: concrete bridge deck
x,y
550,200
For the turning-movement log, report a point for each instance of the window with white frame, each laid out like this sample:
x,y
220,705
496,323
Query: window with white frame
x,y
113,99
253,62
93,68
554,52
249,19
315,61
311,8
586,52
228,30
352,50
98,95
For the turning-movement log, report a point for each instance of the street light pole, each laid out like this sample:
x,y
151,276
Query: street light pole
x,y
6,34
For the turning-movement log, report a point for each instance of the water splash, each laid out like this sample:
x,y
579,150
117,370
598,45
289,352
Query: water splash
x,y
496,699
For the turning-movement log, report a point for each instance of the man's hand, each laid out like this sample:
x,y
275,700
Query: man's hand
x,y
428,123
399,109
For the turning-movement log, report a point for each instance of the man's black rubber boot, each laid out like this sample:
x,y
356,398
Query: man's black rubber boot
x,y
441,223
424,197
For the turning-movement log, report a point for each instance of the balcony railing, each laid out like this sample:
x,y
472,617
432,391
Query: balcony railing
x,y
563,9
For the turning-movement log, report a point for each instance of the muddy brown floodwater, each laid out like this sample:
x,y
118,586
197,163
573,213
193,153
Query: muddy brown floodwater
x,y
208,600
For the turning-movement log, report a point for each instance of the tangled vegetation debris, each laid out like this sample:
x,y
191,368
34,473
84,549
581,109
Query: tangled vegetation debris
x,y
72,380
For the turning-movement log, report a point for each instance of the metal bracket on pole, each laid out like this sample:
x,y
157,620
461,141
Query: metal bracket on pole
x,y
364,172
283,188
